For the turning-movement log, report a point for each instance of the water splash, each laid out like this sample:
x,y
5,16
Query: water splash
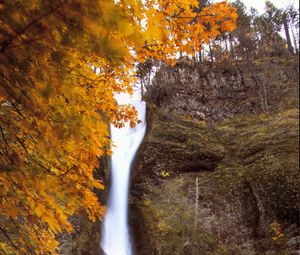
x,y
116,240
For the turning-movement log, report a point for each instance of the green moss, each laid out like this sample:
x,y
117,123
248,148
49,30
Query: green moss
x,y
251,171
171,225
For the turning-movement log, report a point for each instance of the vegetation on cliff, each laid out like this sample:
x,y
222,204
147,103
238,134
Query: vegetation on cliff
x,y
248,182
223,182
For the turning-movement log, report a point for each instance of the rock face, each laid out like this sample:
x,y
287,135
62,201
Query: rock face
x,y
217,92
84,241
227,187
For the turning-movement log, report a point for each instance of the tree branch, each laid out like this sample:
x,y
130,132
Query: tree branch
x,y
12,28
6,43
4,138
10,241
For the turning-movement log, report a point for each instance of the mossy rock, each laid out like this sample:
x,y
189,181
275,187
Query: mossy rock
x,y
250,180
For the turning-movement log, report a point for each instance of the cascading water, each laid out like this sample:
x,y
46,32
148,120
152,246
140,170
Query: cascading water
x,y
115,239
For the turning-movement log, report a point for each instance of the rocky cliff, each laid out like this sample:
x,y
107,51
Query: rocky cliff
x,y
218,172
214,92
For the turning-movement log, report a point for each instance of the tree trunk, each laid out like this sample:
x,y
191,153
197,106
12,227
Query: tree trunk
x,y
294,39
231,47
210,53
278,50
226,47
287,34
196,203
200,56
221,49
258,46
142,88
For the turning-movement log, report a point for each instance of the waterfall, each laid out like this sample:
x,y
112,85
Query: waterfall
x,y
115,234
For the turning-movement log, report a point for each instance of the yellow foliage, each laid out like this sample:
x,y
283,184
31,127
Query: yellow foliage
x,y
276,231
165,174
54,109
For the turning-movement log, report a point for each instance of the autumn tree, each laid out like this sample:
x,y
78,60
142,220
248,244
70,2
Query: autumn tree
x,y
54,109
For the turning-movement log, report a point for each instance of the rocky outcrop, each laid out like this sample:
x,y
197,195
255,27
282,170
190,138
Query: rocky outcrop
x,y
220,91
227,187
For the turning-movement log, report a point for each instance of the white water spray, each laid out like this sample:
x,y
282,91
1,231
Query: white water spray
x,y
115,234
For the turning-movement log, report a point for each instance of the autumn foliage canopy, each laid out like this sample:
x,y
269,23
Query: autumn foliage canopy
x,y
54,109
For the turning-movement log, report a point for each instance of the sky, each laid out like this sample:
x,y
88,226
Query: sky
x,y
259,4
